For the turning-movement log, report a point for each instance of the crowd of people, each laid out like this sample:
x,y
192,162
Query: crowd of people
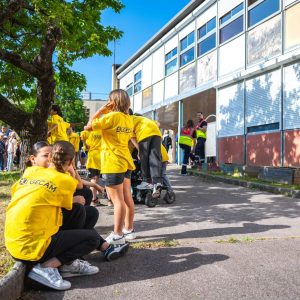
x,y
10,151
50,220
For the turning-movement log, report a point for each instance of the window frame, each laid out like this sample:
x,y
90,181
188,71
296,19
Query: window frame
x,y
130,86
136,82
258,2
188,48
233,18
206,36
171,59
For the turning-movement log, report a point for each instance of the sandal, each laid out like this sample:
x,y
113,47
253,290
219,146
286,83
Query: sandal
x,y
97,202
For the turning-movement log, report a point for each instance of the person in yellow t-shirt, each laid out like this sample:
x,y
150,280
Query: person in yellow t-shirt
x,y
58,129
74,139
93,162
84,149
34,217
116,161
148,142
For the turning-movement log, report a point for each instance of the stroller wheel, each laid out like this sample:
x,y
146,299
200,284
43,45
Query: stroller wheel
x,y
149,201
170,197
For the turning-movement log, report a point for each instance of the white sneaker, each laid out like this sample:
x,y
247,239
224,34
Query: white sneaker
x,y
115,239
157,190
129,235
78,267
145,186
49,277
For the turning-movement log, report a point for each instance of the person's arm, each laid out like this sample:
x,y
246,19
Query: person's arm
x,y
79,199
52,128
105,109
93,184
75,174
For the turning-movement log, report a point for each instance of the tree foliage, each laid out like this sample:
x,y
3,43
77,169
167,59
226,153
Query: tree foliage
x,y
39,42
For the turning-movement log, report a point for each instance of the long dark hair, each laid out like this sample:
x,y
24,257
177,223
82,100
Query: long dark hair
x,y
34,151
189,124
56,108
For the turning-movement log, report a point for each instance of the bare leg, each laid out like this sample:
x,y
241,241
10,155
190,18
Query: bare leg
x,y
117,196
51,263
129,216
94,191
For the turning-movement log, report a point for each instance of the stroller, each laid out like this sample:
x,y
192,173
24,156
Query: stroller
x,y
145,196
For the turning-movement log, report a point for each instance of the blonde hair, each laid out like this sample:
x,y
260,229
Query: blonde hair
x,y
120,100
61,153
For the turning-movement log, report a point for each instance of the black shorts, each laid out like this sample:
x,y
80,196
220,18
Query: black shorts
x,y
115,178
93,172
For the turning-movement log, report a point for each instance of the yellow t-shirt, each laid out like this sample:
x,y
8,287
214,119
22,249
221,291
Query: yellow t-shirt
x,y
49,138
60,132
144,128
117,130
84,136
94,144
164,154
74,139
34,213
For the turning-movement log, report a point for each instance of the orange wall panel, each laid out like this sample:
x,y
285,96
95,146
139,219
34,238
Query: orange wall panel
x,y
231,150
263,149
292,148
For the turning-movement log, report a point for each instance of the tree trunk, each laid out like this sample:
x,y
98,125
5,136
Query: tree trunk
x,y
34,129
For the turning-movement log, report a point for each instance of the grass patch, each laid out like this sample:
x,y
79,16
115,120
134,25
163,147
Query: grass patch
x,y
154,244
249,239
6,181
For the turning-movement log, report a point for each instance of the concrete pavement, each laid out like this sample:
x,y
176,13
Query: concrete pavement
x,y
234,243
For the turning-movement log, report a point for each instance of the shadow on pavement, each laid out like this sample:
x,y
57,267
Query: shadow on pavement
x,y
138,265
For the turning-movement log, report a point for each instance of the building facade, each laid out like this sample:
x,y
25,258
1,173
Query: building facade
x,y
237,61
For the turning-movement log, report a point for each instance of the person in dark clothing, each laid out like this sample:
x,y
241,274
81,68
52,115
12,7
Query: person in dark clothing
x,y
201,128
167,141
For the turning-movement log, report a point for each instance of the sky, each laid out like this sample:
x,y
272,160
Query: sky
x,y
139,20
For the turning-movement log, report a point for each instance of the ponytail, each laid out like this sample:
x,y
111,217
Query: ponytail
x,y
61,153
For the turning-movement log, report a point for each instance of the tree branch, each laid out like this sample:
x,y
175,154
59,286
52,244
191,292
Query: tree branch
x,y
12,8
10,114
17,61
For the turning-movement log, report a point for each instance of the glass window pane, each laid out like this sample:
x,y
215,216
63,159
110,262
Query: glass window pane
x,y
225,18
211,24
138,87
202,31
187,57
207,44
183,43
171,67
171,54
232,29
138,76
237,9
129,89
191,38
262,11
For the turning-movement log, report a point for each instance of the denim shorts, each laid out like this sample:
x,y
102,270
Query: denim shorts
x,y
115,178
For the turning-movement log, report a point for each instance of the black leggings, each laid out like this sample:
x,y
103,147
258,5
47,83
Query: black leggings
x,y
150,155
79,217
86,193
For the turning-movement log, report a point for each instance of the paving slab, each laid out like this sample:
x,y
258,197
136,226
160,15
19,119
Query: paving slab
x,y
234,243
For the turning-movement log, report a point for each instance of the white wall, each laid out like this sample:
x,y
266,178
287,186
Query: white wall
x,y
232,56
207,16
158,68
147,72
171,85
137,102
226,5
158,92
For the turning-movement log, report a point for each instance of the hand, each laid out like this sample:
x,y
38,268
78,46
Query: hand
x,y
71,170
79,199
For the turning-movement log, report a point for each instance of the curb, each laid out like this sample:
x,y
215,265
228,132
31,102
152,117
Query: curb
x,y
12,284
252,185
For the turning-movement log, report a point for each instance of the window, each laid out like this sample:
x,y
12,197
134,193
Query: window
x,y
232,23
187,57
138,82
261,10
187,41
129,89
187,53
171,62
207,37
